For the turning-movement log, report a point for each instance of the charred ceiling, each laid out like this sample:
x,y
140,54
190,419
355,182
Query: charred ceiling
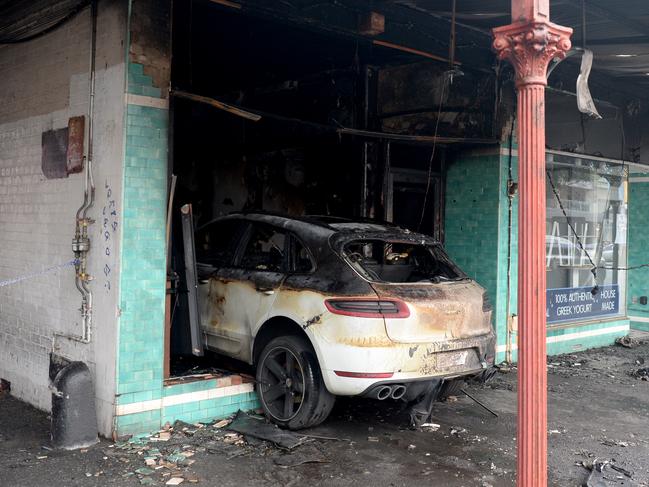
x,y
617,33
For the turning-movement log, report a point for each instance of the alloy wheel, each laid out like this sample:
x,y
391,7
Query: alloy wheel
x,y
282,383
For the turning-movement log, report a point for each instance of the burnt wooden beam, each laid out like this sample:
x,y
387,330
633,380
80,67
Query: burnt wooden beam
x,y
240,112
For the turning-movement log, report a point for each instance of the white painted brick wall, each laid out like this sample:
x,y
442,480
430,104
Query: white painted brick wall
x,y
45,82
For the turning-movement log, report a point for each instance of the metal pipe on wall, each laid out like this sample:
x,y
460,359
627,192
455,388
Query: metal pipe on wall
x,y
81,240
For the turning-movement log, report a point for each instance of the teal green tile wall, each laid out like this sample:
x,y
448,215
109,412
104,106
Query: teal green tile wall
x,y
143,274
638,252
476,225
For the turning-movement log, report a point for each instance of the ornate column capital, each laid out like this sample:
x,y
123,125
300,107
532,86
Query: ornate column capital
x,y
530,46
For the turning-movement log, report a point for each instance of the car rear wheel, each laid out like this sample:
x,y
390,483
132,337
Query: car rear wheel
x,y
290,386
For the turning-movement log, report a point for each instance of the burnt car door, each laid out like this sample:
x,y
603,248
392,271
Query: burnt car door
x,y
240,297
216,246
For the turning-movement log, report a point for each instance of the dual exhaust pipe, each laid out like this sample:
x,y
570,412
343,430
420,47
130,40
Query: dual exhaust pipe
x,y
396,391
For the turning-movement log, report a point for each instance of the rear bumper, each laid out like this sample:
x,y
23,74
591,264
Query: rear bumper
x,y
406,362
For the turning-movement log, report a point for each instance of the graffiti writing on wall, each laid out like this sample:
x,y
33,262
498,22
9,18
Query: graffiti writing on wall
x,y
109,223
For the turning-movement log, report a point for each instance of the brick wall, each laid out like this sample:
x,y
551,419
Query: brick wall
x,y
43,83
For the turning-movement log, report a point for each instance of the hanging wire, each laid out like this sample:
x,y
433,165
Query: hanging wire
x,y
572,228
448,77
432,154
581,246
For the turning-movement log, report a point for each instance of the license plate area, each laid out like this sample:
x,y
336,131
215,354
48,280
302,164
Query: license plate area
x,y
447,360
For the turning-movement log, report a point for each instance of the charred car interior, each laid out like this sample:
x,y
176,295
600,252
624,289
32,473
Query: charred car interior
x,y
271,118
396,261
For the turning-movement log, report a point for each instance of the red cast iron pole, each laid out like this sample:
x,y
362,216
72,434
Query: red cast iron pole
x,y
530,43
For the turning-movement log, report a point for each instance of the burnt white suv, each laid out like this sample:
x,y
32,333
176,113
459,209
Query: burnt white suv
x,y
325,307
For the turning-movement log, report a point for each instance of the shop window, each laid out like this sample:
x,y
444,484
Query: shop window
x,y
593,195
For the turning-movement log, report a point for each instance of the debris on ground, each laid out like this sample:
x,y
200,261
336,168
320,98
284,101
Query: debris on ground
x,y
642,373
627,342
430,427
478,402
166,456
222,424
605,473
623,444
505,368
260,428
306,454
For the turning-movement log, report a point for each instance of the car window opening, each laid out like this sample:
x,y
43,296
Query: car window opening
x,y
265,250
397,262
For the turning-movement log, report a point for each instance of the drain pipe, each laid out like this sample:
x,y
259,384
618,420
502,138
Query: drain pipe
x,y
512,188
81,240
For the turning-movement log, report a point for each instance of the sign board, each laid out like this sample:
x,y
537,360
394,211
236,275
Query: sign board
x,y
578,303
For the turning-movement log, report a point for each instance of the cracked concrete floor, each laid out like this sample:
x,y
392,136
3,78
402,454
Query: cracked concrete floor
x,y
596,410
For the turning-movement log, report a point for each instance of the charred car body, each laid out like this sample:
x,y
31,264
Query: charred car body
x,y
325,307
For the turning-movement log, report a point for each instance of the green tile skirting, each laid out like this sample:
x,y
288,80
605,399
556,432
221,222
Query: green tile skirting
x,y
191,412
577,338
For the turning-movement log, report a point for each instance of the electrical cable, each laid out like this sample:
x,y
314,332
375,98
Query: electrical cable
x,y
581,246
572,228
432,154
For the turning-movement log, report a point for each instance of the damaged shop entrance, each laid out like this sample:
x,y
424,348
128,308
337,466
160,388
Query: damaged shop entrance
x,y
285,119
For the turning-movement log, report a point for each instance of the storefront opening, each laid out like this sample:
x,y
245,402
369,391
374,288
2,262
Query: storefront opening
x,y
585,276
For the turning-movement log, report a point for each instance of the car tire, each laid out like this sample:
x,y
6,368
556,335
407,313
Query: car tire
x,y
290,386
450,388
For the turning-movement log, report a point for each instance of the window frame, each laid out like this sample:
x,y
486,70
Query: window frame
x,y
235,240
245,240
291,254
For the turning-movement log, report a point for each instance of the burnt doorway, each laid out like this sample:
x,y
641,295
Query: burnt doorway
x,y
260,107
414,189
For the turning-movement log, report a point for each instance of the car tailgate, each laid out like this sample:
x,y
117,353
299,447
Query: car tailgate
x,y
438,311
